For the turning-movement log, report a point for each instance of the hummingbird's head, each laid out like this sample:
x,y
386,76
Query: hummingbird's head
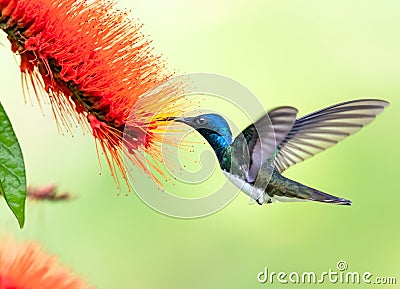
x,y
213,127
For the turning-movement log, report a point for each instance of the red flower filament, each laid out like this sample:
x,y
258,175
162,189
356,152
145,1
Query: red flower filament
x,y
94,64
26,267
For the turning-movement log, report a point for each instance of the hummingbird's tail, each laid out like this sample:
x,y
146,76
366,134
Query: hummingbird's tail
x,y
284,189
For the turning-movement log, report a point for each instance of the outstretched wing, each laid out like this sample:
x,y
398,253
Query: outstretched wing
x,y
258,142
320,130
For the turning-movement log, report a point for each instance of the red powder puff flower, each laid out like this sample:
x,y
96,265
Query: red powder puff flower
x,y
27,267
95,65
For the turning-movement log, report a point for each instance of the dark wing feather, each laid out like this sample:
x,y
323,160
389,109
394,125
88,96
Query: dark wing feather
x,y
258,142
320,130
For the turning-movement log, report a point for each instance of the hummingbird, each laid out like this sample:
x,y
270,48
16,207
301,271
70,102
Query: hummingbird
x,y
255,159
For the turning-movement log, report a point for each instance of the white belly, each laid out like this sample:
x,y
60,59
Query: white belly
x,y
257,194
254,193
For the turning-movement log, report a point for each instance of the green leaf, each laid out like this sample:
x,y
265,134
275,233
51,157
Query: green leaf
x,y
12,169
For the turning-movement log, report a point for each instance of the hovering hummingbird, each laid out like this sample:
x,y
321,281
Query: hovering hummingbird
x,y
255,159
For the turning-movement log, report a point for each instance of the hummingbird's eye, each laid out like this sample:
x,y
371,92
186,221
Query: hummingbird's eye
x,y
201,121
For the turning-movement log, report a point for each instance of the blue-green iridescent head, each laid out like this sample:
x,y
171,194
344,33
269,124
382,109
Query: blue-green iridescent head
x,y
213,127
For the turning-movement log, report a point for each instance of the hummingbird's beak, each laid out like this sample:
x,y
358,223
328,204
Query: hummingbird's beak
x,y
185,120
169,118
180,119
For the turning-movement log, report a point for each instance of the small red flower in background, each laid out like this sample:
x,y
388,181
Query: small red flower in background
x,y
95,65
27,267
47,193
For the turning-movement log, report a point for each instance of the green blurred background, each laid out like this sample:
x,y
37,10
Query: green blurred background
x,y
308,54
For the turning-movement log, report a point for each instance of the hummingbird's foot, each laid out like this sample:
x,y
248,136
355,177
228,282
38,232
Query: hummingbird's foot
x,y
261,200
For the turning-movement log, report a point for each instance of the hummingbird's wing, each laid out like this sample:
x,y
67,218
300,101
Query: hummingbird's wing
x,y
257,143
322,129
